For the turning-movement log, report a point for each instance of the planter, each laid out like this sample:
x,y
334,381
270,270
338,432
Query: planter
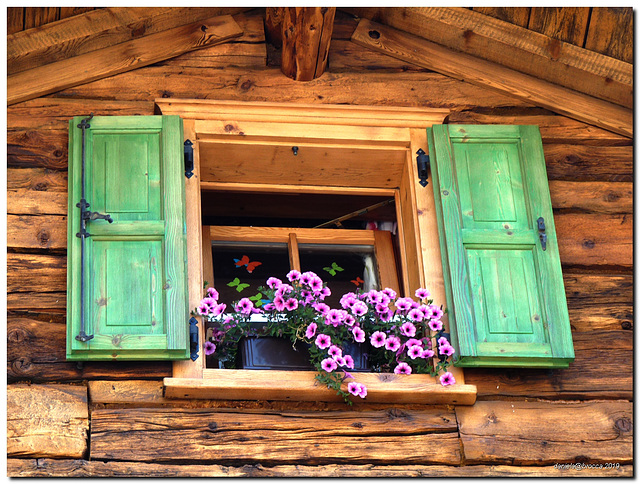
x,y
270,353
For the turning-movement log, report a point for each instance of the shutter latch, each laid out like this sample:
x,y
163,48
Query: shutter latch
x,y
541,232
194,338
423,166
188,158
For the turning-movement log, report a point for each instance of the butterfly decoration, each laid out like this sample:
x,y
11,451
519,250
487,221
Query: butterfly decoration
x,y
333,269
357,281
244,261
238,285
257,299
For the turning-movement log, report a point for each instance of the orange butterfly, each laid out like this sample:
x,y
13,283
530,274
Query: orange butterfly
x,y
251,266
357,281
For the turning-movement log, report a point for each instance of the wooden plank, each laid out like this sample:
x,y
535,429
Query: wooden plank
x,y
36,352
40,302
594,197
589,163
97,29
36,232
282,188
544,433
568,24
281,234
15,19
47,421
517,48
513,15
34,202
610,29
123,57
85,468
71,11
131,391
349,57
37,16
37,179
427,436
46,148
595,374
480,72
595,239
40,273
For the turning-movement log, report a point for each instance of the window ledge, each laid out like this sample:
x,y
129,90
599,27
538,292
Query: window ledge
x,y
302,386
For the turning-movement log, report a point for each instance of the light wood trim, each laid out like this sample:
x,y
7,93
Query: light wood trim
x,y
424,53
281,234
289,141
294,252
207,257
302,386
188,368
386,260
331,114
402,245
268,188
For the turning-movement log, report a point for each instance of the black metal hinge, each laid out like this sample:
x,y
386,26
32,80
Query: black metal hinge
x,y
194,338
423,166
188,158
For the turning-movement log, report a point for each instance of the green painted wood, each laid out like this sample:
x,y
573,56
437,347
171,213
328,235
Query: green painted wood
x,y
136,268
505,294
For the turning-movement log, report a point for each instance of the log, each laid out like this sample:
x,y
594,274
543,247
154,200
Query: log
x,y
589,163
306,37
465,67
596,373
37,16
609,31
47,421
38,148
515,47
36,232
347,56
568,24
39,273
592,197
37,301
34,202
85,468
96,30
15,19
119,58
513,15
545,433
420,437
36,179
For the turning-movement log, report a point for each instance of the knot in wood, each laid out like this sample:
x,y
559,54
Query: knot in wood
x,y
213,426
624,424
43,237
374,34
588,244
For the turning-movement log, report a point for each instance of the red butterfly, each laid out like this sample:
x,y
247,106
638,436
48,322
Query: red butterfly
x,y
251,266
357,281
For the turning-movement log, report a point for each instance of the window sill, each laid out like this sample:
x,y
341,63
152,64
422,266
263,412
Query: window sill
x,y
302,386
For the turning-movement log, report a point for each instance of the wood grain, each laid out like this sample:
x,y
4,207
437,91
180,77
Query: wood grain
x,y
568,24
544,433
514,15
426,436
36,202
37,16
123,57
15,19
594,197
589,163
47,421
484,73
37,232
609,31
31,272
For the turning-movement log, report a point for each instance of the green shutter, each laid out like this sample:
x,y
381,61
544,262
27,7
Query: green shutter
x,y
505,294
135,294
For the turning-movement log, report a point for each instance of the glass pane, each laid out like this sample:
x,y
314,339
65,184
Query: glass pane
x,y
345,268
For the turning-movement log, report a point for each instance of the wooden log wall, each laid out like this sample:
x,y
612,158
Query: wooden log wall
x,y
525,421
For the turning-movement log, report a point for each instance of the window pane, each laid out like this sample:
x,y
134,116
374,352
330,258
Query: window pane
x,y
345,268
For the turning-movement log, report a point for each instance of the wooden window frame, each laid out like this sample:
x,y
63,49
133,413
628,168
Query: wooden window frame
x,y
370,136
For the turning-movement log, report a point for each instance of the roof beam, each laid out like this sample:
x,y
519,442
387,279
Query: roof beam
x,y
483,73
515,47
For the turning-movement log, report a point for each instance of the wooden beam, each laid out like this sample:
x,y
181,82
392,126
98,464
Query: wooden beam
x,y
481,72
96,29
610,31
568,24
119,58
37,16
515,47
15,20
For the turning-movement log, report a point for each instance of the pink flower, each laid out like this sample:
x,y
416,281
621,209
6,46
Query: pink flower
x,y
335,316
245,306
305,278
393,343
359,308
323,341
315,284
348,361
334,351
274,282
348,300
322,309
404,304
446,350
386,316
291,304
203,309
218,309
402,369
340,360
390,293
353,388
437,312
311,330
409,329
278,303
209,301
358,334
209,348
428,354
362,391
349,320
415,351
442,341
283,289
447,379
325,292
427,311
413,342
328,365
435,325
212,293
269,306
293,275
422,293
416,315
378,339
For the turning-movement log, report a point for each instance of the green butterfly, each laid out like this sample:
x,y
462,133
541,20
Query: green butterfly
x,y
334,267
236,283
258,300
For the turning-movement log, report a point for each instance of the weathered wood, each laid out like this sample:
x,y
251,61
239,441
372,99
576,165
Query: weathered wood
x,y
28,202
40,273
37,179
484,73
347,56
544,433
517,48
85,468
595,373
273,26
568,24
37,16
46,148
15,19
120,58
610,29
38,302
595,288
71,11
421,437
306,36
47,421
589,163
598,197
141,392
36,352
36,232
595,239
514,15
97,29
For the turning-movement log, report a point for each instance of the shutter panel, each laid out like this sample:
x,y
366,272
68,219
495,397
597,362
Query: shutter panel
x,y
135,294
505,294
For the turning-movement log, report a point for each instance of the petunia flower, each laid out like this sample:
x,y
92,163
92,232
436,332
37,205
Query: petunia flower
x,y
402,369
315,284
362,391
245,306
359,308
291,304
311,330
447,379
323,341
446,350
335,351
422,293
203,309
322,308
378,339
293,275
403,304
409,329
212,293
348,300
340,360
328,365
353,388
435,325
413,342
390,292
442,341
278,303
325,292
386,316
437,312
415,351
358,334
428,353
274,282
348,361
218,309
393,343
305,278
209,348
349,320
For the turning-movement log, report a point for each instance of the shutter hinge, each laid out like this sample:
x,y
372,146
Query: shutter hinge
x,y
541,232
423,166
188,158
194,338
